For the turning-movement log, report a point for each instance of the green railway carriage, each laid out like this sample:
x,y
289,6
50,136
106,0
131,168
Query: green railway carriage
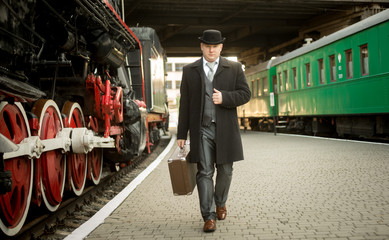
x,y
258,110
338,83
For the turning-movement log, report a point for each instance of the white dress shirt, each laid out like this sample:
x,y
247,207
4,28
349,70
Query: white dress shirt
x,y
206,68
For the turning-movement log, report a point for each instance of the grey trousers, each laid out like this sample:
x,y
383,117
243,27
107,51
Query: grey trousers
x,y
209,195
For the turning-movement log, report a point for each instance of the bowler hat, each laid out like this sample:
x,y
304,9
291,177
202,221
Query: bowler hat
x,y
212,37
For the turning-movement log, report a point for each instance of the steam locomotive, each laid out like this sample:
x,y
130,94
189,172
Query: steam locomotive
x,y
74,80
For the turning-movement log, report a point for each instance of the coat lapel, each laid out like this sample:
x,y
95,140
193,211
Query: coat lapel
x,y
198,67
222,65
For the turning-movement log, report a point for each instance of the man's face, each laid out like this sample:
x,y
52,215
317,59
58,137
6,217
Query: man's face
x,y
211,52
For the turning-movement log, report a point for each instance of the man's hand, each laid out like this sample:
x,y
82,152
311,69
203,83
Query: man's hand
x,y
181,143
217,97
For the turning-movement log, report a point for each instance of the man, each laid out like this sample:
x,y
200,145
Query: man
x,y
211,89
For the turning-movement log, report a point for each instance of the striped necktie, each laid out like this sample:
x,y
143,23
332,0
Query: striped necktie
x,y
210,72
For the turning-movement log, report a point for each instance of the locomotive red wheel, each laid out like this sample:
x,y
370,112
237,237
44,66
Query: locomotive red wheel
x,y
53,162
95,158
14,205
76,163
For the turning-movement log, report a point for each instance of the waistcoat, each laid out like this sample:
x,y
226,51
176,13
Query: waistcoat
x,y
209,115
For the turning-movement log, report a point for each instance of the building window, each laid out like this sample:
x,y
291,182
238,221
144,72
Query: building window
x,y
364,60
168,84
265,86
178,84
280,81
349,64
169,67
308,74
294,70
179,66
259,90
332,68
321,71
286,80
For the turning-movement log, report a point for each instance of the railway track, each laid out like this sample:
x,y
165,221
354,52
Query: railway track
x,y
74,211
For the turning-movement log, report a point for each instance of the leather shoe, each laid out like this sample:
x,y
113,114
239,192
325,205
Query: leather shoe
x,y
209,225
221,212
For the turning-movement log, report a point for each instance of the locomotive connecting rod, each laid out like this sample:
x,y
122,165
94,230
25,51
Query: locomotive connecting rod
x,y
77,140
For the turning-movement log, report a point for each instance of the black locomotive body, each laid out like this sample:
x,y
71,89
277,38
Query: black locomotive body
x,y
72,82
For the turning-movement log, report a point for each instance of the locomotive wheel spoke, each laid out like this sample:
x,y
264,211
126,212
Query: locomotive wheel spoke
x,y
76,163
96,164
53,162
14,205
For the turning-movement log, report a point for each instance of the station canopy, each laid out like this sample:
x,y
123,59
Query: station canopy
x,y
257,29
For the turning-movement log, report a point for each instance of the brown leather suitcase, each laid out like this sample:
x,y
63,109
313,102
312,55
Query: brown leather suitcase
x,y
182,172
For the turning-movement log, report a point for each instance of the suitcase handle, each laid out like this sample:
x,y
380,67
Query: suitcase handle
x,y
182,152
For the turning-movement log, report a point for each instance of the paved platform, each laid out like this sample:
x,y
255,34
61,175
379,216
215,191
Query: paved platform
x,y
289,187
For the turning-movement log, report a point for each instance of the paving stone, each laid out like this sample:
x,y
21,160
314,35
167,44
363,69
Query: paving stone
x,y
288,187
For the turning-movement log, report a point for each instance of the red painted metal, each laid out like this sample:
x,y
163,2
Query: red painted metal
x,y
106,107
95,165
93,124
116,130
148,143
34,125
97,98
118,105
65,121
140,103
15,204
53,162
141,54
95,157
76,163
100,84
37,193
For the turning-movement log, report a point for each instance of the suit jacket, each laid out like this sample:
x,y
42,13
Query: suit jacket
x,y
231,81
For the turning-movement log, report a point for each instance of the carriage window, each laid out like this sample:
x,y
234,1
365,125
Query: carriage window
x,y
294,78
275,85
265,86
321,71
349,64
252,88
364,60
332,68
259,87
308,74
280,79
286,80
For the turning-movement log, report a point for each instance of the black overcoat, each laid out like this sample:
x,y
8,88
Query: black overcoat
x,y
231,81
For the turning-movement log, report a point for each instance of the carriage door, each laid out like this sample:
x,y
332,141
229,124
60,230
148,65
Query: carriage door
x,y
275,90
